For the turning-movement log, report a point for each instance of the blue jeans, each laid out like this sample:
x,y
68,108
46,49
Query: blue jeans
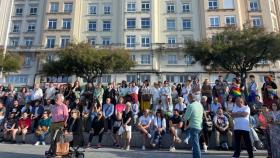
x,y
188,133
195,142
41,138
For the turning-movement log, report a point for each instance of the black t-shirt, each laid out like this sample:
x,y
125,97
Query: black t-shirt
x,y
97,125
176,120
126,116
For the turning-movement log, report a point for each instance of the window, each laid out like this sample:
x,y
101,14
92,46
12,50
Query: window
x,y
131,7
212,4
230,20
257,21
14,42
171,24
68,7
16,28
145,23
177,78
50,58
65,40
228,4
104,79
130,41
33,10
66,24
31,27
92,26
145,41
27,61
189,60
92,40
186,8
187,24
145,6
214,21
19,10
145,59
106,41
52,23
131,78
170,8
50,42
131,23
145,77
106,25
107,9
133,57
29,42
272,4
254,5
54,7
171,40
172,59
92,9
17,79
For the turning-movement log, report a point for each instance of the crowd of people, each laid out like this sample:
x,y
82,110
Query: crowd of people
x,y
195,108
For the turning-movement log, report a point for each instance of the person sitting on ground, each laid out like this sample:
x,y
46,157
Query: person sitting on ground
x,y
159,123
222,128
10,127
144,127
126,126
97,129
75,128
108,111
43,128
181,106
2,114
214,107
175,127
24,125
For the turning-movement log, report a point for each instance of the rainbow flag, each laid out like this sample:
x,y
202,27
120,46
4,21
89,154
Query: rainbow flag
x,y
236,91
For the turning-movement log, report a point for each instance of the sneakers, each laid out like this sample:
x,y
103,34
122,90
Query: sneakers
x,y
98,146
37,143
172,149
127,148
149,135
205,148
153,145
186,141
143,147
254,148
43,143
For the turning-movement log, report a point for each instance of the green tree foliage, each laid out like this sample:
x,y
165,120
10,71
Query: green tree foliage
x,y
88,63
10,62
236,51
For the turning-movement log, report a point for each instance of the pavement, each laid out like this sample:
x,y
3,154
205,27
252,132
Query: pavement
x,y
31,151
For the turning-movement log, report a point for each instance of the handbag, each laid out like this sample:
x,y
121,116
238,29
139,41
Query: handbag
x,y
62,148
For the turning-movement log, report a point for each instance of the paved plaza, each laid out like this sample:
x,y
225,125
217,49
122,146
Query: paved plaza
x,y
30,151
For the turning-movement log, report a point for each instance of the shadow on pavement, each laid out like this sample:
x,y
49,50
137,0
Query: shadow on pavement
x,y
18,155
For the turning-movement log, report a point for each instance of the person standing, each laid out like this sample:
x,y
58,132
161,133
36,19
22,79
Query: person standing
x,y
98,93
145,96
166,97
252,89
206,90
59,113
194,115
241,114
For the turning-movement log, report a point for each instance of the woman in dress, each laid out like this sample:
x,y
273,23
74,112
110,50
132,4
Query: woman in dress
x,y
145,96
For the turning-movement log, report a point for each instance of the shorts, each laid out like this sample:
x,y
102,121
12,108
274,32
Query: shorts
x,y
126,131
178,131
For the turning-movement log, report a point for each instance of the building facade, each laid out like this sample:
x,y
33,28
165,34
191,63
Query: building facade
x,y
153,30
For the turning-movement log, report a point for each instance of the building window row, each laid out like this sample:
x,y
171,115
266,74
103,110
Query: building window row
x,y
171,24
93,9
51,41
19,10
66,24
131,7
131,23
106,25
105,41
131,41
54,7
171,7
214,21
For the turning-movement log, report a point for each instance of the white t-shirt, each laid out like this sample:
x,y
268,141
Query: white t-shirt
x,y
159,123
145,120
50,93
180,107
242,123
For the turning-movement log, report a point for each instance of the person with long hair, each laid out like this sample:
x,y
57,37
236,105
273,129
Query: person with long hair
x,y
145,96
159,123
269,89
206,90
126,127
75,127
98,93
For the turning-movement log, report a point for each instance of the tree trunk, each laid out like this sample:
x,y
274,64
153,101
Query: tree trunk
x,y
243,86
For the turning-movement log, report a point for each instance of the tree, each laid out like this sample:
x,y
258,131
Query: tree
x,y
10,62
88,63
235,51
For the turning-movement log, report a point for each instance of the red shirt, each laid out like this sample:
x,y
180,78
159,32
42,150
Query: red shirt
x,y
120,107
22,123
262,121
